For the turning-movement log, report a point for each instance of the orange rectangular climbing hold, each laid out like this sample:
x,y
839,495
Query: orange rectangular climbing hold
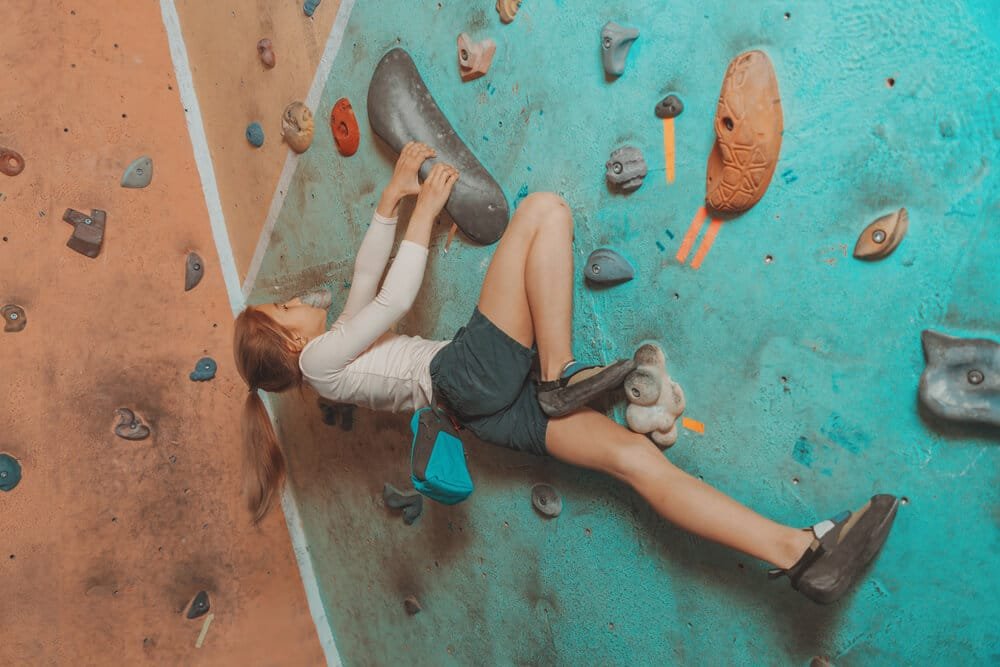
x,y
693,425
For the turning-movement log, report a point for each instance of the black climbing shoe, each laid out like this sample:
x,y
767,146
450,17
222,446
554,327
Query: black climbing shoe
x,y
842,547
580,384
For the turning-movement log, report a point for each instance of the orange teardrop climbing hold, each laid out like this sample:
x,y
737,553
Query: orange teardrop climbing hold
x,y
345,127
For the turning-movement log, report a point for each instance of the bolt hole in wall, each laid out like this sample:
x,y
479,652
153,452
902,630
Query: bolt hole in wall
x,y
768,259
890,82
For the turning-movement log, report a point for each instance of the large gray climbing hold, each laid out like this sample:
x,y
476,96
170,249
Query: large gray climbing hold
x,y
656,402
400,110
139,173
616,40
607,267
962,379
626,168
194,271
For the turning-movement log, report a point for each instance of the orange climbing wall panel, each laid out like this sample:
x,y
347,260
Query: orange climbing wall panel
x,y
104,541
235,89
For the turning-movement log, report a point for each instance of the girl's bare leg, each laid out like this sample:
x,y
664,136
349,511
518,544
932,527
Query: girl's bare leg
x,y
590,440
528,293
528,289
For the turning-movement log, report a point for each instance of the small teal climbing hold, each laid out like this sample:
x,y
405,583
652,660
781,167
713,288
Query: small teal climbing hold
x,y
10,472
204,370
139,173
606,266
310,6
255,135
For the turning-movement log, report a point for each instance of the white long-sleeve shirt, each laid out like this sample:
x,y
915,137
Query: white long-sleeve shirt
x,y
359,360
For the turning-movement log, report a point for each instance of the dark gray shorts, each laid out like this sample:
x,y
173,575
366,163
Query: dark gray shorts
x,y
483,377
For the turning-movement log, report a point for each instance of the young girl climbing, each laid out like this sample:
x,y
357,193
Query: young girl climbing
x,y
483,379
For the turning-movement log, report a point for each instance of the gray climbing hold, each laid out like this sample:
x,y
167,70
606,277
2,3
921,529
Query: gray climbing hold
x,y
616,40
309,6
401,109
962,379
199,605
626,169
255,134
332,410
10,472
204,370
14,318
546,500
412,504
412,605
669,107
130,427
139,173
318,299
607,267
194,270
88,231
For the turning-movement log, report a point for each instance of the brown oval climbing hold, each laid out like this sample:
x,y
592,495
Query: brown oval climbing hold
x,y
882,236
297,126
11,162
412,605
345,127
748,127
266,52
507,9
14,319
129,426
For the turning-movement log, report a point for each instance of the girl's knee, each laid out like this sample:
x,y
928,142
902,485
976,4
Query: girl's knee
x,y
636,456
544,207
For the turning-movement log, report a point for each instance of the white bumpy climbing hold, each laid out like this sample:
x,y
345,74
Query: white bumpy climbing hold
x,y
655,401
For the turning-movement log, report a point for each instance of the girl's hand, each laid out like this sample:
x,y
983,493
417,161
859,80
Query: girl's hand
x,y
404,178
435,191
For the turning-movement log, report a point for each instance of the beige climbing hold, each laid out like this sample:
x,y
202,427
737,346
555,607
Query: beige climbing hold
x,y
748,127
474,58
882,236
297,126
266,52
507,9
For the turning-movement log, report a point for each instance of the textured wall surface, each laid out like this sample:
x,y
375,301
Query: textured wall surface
x,y
105,541
804,369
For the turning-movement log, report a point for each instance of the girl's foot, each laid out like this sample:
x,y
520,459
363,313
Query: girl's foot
x,y
578,384
841,549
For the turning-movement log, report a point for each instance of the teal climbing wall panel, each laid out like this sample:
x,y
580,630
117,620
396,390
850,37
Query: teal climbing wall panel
x,y
801,362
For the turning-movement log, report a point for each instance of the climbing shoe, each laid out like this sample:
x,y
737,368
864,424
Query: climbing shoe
x,y
579,384
841,549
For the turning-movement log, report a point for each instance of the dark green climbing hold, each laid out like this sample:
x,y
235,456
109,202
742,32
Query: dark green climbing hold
x,y
412,504
309,6
199,606
255,135
10,472
204,369
139,173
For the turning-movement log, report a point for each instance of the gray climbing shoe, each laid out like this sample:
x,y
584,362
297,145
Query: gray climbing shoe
x,y
842,548
579,384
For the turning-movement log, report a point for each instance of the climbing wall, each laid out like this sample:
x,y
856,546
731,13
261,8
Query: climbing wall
x,y
800,363
105,541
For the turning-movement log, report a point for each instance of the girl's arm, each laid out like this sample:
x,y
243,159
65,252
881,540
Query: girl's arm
x,y
369,264
401,284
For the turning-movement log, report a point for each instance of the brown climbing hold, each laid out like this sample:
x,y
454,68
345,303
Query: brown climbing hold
x,y
129,426
11,162
14,319
474,58
748,127
412,605
266,52
297,126
88,231
507,9
882,236
345,127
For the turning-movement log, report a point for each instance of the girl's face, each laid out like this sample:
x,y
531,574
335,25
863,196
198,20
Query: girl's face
x,y
304,321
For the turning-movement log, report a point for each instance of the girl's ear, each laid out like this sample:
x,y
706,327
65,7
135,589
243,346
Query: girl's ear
x,y
935,345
